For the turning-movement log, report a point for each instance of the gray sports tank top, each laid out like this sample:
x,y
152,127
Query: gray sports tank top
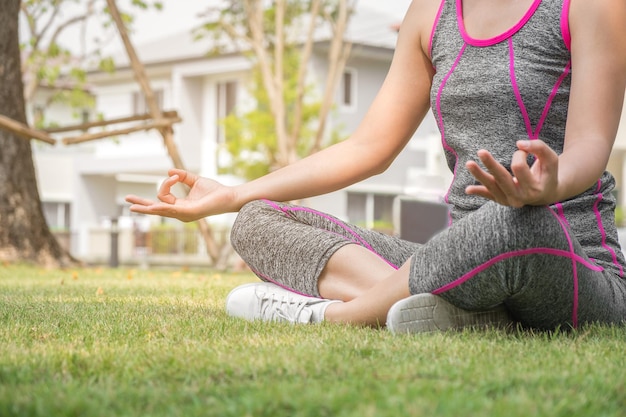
x,y
489,93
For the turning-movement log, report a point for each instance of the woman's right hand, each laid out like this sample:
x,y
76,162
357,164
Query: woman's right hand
x,y
206,197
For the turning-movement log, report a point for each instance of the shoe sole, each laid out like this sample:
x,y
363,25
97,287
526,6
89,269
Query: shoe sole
x,y
429,313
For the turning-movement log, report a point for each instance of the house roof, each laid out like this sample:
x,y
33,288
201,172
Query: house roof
x,y
367,27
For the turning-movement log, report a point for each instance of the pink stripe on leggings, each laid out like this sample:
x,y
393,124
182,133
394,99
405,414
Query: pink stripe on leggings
x,y
357,238
596,212
574,268
533,251
265,277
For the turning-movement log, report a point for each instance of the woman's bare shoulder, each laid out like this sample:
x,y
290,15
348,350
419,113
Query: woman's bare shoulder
x,y
599,25
598,14
419,20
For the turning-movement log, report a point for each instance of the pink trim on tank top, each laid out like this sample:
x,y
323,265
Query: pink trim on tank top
x,y
442,128
496,39
567,36
533,133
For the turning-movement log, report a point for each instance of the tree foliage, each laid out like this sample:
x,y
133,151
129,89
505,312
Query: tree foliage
x,y
250,137
289,121
49,61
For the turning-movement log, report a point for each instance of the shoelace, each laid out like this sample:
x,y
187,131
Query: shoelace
x,y
282,308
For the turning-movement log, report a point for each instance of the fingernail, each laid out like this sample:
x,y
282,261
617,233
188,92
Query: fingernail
x,y
523,144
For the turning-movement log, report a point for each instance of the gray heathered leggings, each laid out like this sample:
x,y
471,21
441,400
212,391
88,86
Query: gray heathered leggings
x,y
525,258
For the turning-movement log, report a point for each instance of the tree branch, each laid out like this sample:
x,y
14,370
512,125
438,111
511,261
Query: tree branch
x,y
305,57
255,19
24,131
286,146
65,25
338,55
86,137
30,19
48,25
32,29
232,33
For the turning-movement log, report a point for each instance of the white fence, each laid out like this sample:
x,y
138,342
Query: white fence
x,y
180,247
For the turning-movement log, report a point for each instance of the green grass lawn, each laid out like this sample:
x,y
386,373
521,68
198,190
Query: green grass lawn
x,y
100,342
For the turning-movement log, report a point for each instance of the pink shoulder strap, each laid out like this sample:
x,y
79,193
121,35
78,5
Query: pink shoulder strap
x,y
567,38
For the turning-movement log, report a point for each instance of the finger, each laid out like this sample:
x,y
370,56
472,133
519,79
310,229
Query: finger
x,y
481,175
489,188
547,160
133,199
176,171
496,178
480,190
520,168
146,207
538,148
165,190
166,210
168,183
503,179
141,209
185,177
496,169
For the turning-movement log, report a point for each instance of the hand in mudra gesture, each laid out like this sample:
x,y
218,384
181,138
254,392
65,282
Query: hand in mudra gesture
x,y
527,185
206,197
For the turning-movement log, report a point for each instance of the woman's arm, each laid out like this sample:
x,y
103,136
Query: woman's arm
x,y
597,95
397,110
598,49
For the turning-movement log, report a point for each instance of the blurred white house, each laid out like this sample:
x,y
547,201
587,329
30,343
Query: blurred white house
x,y
83,186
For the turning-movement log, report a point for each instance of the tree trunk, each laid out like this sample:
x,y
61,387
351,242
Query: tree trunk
x,y
24,234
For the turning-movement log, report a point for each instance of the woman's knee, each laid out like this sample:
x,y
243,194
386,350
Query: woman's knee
x,y
247,223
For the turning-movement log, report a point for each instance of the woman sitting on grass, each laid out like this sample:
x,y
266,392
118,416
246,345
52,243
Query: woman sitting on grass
x,y
527,95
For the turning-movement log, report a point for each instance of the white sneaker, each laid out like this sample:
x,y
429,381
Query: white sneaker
x,y
430,313
269,302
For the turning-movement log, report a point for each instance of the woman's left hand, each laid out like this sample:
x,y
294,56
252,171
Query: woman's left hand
x,y
527,185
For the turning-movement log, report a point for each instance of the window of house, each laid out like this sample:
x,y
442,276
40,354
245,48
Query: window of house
x,y
38,115
357,210
226,100
140,105
348,89
374,211
85,116
57,215
383,208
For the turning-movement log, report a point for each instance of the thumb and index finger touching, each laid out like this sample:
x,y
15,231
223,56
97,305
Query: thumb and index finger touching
x,y
164,195
536,147
539,150
183,176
